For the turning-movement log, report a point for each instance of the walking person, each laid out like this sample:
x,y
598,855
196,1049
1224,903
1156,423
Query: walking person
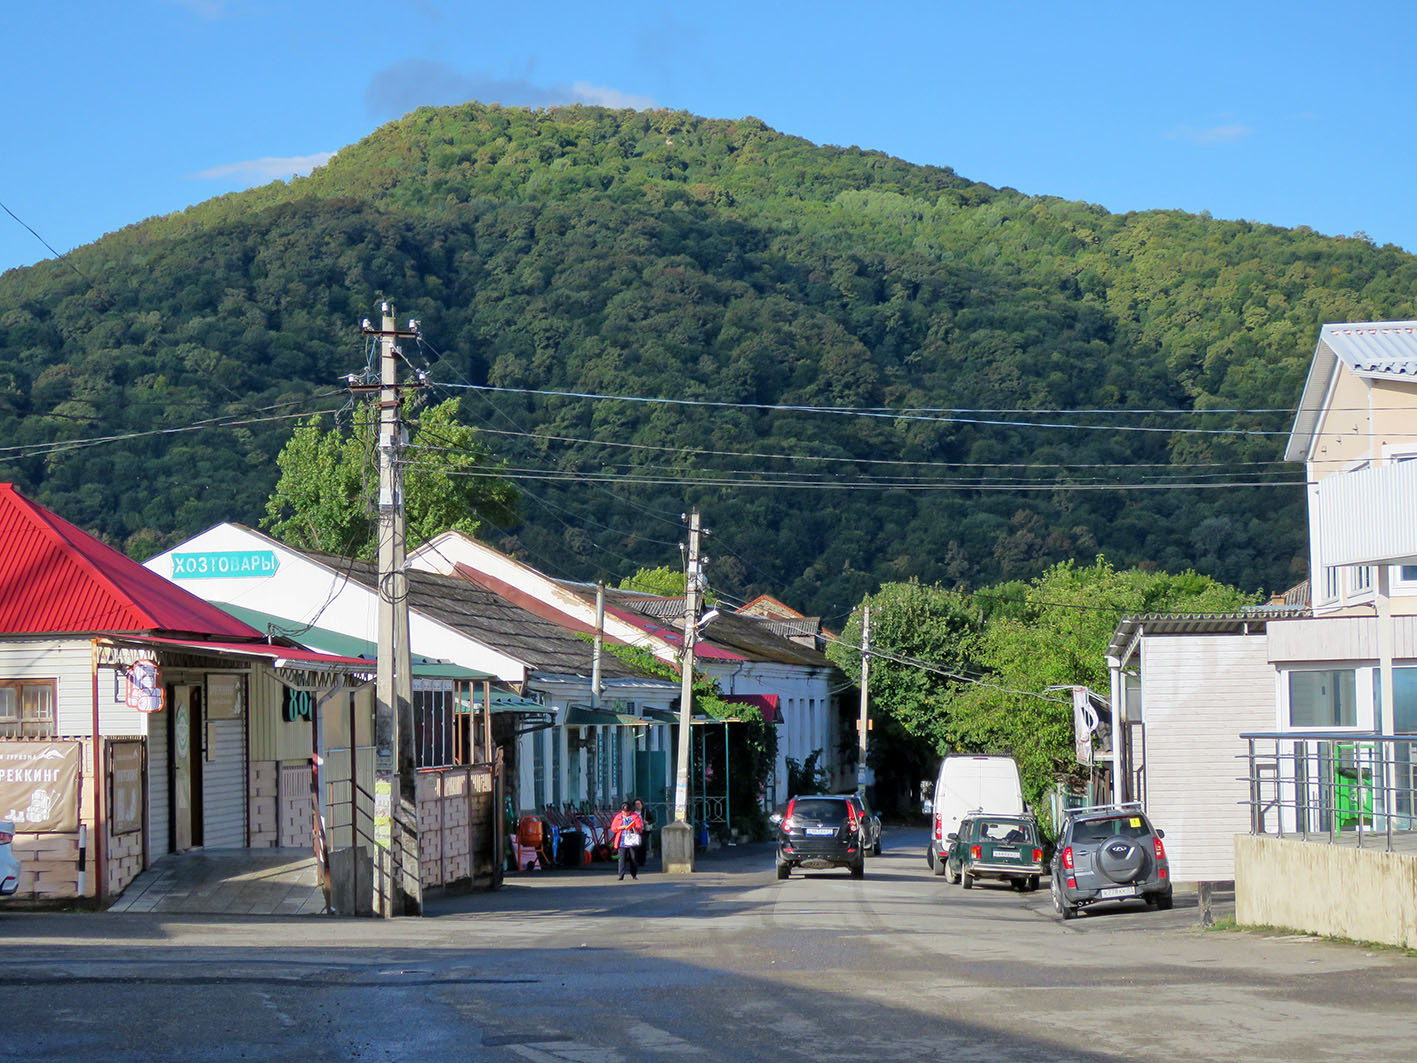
x,y
646,817
629,831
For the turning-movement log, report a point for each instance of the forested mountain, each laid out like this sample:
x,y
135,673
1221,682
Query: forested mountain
x,y
658,254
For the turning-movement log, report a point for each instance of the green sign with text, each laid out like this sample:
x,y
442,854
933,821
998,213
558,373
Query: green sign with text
x,y
225,564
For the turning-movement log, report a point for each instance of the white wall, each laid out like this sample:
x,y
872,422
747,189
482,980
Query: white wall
x,y
805,700
1201,692
309,592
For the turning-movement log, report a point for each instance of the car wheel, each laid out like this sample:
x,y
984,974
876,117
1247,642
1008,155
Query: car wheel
x,y
783,871
938,863
1164,901
858,870
1061,906
1032,883
967,880
876,849
1020,884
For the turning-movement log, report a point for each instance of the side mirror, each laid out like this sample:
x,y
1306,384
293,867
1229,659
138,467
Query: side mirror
x,y
775,819
1161,834
928,806
951,837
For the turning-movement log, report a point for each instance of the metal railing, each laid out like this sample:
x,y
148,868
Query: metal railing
x,y
1337,786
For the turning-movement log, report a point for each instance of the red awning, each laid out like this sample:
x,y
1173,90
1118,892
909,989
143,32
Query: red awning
x,y
767,704
292,656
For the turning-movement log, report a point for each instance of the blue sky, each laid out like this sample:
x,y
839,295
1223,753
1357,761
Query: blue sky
x,y
1296,113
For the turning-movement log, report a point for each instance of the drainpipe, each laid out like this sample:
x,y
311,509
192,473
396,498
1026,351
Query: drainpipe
x,y
99,855
1119,710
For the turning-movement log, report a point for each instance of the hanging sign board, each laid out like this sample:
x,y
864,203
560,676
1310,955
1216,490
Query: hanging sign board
x,y
145,691
39,786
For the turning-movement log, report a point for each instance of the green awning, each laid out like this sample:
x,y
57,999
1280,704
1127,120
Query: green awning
x,y
324,640
584,716
504,701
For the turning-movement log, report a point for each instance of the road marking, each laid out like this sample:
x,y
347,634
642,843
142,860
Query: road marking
x,y
653,1038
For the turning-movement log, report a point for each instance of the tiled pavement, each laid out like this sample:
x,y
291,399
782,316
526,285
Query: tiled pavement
x,y
227,882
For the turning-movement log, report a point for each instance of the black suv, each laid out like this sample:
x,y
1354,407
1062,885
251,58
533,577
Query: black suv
x,y
1109,853
819,832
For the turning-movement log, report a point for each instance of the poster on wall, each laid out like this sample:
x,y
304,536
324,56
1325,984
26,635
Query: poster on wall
x,y
39,786
125,760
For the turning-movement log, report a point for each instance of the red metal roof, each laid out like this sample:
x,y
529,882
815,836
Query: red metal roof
x,y
767,704
55,577
293,654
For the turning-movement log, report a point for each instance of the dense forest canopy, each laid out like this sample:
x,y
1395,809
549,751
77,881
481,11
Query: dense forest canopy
x,y
589,252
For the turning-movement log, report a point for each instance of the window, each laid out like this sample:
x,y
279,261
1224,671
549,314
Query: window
x,y
1331,583
1323,699
1404,697
1362,578
1408,573
27,708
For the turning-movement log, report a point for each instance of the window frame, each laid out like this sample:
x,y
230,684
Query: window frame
x,y
14,726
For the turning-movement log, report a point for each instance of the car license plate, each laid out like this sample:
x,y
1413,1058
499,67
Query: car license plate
x,y
1118,891
1006,854
820,832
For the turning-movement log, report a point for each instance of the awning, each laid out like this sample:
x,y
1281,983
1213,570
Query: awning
x,y
505,701
670,716
278,656
584,716
323,640
767,704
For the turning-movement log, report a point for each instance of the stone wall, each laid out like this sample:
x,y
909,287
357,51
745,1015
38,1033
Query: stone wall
x,y
1338,890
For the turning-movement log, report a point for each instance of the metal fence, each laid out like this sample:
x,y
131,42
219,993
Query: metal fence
x,y
1336,786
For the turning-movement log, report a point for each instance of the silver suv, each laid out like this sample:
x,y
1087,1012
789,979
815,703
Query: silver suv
x,y
1109,853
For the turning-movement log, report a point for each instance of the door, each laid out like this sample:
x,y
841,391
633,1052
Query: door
x,y
186,745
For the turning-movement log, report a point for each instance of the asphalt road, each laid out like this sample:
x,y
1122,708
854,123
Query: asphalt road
x,y
729,964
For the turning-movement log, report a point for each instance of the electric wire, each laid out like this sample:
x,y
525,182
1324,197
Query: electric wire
x,y
870,412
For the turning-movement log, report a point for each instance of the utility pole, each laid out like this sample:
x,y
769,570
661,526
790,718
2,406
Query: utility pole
x,y
865,722
677,838
398,882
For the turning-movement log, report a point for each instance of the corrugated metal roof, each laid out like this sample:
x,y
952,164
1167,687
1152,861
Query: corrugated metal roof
x,y
58,578
1241,622
492,620
1375,348
727,635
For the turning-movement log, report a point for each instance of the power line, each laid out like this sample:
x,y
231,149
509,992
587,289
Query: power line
x,y
722,480
788,456
869,412
24,450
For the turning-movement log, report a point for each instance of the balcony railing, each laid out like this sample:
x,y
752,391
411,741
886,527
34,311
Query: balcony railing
x,y
1334,786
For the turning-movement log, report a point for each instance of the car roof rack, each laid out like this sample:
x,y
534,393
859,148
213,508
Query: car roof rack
x,y
1088,810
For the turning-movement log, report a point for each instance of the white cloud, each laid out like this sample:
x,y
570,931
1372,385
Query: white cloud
x,y
1208,135
258,171
413,83
606,97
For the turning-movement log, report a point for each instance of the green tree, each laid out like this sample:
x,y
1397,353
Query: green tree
x,y
326,497
1053,634
665,581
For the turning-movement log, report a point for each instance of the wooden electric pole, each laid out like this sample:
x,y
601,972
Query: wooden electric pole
x,y
397,878
865,723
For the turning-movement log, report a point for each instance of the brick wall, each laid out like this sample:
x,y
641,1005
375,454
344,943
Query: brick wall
x,y
262,813
455,827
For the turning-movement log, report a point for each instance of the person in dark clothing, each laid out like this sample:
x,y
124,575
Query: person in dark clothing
x,y
648,818
628,829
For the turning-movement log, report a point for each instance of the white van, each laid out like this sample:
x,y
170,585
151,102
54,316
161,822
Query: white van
x,y
968,784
